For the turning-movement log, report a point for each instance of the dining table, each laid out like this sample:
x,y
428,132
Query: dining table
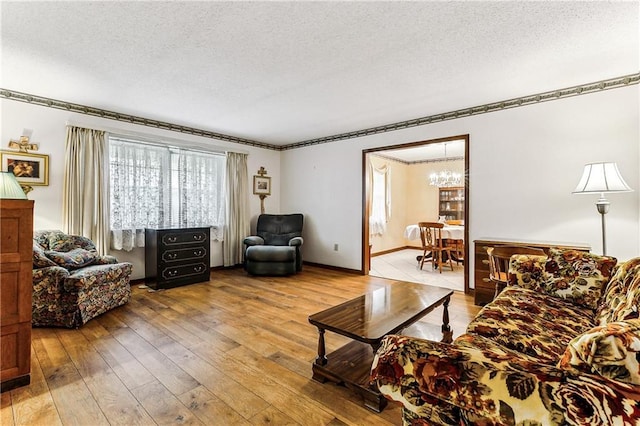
x,y
448,232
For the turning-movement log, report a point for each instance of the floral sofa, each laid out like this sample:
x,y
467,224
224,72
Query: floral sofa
x,y
72,283
559,346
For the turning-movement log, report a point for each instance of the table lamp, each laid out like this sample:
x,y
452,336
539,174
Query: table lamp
x,y
601,178
10,188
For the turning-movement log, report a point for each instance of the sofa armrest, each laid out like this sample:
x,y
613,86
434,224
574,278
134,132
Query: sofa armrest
x,y
253,240
94,275
48,280
492,385
296,241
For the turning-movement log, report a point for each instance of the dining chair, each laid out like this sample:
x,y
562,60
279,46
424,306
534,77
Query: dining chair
x,y
499,258
431,236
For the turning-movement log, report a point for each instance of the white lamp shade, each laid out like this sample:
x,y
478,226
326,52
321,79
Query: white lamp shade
x,y
600,178
10,188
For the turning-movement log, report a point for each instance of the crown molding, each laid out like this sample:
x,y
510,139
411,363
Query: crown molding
x,y
552,95
584,89
125,118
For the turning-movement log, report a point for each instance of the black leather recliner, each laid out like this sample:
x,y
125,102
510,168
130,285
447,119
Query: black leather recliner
x,y
276,248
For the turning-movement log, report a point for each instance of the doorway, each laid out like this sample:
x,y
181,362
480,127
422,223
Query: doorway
x,y
415,153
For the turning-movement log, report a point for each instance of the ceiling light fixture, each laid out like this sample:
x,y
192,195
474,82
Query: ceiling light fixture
x,y
445,178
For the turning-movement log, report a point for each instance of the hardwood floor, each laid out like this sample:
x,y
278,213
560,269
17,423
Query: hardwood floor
x,y
236,350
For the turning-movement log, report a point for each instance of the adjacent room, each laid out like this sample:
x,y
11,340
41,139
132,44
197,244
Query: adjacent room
x,y
319,213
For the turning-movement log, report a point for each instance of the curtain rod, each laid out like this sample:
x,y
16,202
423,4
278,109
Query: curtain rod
x,y
148,137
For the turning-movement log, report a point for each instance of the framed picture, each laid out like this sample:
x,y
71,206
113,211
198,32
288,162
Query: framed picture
x,y
261,185
29,169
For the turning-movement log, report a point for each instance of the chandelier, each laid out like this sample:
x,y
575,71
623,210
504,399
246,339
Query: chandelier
x,y
445,178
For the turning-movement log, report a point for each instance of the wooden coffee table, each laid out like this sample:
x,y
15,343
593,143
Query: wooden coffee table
x,y
367,319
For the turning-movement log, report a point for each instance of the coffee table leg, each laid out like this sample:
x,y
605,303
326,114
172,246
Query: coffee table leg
x,y
447,334
322,356
321,359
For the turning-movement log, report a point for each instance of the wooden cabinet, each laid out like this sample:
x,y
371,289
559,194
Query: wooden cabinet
x,y
451,203
16,259
175,257
484,288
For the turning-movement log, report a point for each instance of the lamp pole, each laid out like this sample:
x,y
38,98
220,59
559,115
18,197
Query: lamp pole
x,y
603,208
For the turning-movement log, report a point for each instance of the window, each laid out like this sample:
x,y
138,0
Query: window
x,y
155,186
380,200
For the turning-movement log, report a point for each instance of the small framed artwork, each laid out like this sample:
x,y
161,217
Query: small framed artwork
x,y
29,169
261,185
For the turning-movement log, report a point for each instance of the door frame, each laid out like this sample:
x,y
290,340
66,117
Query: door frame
x,y
366,196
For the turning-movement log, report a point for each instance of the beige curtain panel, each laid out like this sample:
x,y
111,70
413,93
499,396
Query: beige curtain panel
x,y
237,225
85,204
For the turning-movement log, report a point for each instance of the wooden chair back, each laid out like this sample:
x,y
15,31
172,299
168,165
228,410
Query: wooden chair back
x,y
431,234
431,237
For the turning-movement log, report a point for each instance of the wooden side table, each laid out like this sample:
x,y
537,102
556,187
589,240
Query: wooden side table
x,y
484,288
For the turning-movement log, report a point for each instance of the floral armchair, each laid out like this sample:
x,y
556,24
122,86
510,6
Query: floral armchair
x,y
72,283
559,346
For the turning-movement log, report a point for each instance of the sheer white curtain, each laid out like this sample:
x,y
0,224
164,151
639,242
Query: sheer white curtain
x,y
158,186
200,189
140,177
237,212
85,200
380,211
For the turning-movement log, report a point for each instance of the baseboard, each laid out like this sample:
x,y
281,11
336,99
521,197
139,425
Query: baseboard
x,y
380,253
334,268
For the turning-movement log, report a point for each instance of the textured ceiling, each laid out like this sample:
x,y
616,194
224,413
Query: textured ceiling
x,y
285,72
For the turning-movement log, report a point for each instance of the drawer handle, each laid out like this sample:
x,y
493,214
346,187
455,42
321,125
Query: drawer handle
x,y
198,253
198,269
172,239
172,256
486,280
172,273
485,261
198,237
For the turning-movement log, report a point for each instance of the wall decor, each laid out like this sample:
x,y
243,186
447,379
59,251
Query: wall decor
x,y
262,186
29,169
23,144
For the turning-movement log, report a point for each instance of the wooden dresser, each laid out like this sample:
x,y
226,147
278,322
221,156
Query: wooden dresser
x,y
176,256
484,288
16,264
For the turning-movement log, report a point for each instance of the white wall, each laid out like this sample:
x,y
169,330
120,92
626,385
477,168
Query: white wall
x,y
524,163
49,130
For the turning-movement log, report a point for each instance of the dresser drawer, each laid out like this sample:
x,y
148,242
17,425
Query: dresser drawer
x,y
171,238
182,254
177,272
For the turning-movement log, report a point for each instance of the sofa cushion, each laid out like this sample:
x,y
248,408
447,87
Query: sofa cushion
x,y
532,323
526,270
621,300
40,259
610,351
60,241
271,254
73,259
577,276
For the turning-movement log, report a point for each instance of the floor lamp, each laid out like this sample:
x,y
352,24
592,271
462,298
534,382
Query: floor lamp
x,y
601,178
